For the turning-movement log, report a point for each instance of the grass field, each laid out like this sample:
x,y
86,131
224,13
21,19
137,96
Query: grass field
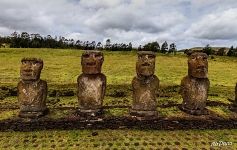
x,y
61,68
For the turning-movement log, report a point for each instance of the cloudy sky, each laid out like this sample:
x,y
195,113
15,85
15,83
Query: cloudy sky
x,y
188,23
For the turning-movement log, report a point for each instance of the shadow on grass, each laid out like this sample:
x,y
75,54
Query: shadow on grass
x,y
72,120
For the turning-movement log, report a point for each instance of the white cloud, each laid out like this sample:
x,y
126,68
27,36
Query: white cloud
x,y
220,25
101,3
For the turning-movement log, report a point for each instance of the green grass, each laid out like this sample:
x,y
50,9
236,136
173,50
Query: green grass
x,y
118,139
61,68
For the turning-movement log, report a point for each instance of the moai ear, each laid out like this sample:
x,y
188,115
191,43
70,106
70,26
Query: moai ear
x,y
189,52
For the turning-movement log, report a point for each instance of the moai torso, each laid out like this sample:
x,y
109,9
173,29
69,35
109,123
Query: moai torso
x,y
194,93
145,86
144,93
32,91
91,91
91,83
32,96
194,87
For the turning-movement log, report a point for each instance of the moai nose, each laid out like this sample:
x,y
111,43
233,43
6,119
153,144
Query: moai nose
x,y
92,57
201,63
28,67
146,58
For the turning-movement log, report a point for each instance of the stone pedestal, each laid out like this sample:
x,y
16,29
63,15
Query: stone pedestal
x,y
91,84
145,86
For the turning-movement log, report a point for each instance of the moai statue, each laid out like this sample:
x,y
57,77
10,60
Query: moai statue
x,y
32,91
91,83
194,87
145,86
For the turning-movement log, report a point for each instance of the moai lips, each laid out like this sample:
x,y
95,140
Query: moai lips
x,y
145,86
91,83
194,87
32,91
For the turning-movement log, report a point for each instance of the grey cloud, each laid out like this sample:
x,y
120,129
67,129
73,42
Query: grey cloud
x,y
186,22
129,17
216,26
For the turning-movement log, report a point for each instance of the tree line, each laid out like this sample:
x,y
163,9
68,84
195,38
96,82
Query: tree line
x,y
26,40
155,47
220,52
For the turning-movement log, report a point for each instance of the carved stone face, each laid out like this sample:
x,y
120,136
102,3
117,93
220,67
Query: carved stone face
x,y
198,65
30,69
145,65
91,62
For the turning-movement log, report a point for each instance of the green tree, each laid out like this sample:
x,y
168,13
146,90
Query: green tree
x,y
231,51
25,40
172,48
221,51
153,46
129,48
108,44
208,50
164,47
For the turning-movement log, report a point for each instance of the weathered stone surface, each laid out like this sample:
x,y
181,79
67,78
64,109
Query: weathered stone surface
x,y
194,87
32,91
236,94
91,62
198,65
91,83
145,86
234,106
145,66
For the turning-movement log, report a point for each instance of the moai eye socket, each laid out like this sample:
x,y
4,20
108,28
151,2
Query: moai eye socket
x,y
204,58
193,57
98,55
86,55
24,62
151,56
34,62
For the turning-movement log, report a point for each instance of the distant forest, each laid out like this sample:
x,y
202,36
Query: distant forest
x,y
220,51
26,40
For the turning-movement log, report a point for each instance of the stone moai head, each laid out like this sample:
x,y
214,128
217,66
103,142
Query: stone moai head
x,y
145,65
198,65
30,69
92,61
